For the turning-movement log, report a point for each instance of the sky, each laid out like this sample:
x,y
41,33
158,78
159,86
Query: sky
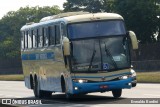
x,y
13,5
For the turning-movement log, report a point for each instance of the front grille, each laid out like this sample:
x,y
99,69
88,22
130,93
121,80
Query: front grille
x,y
115,79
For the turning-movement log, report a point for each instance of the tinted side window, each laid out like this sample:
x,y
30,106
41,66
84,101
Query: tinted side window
x,y
22,40
40,37
51,33
57,29
34,38
45,33
29,39
26,39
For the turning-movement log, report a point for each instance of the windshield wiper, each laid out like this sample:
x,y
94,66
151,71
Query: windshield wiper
x,y
110,56
94,52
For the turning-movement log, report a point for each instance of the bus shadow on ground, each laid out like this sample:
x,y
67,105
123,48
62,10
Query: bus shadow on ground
x,y
85,99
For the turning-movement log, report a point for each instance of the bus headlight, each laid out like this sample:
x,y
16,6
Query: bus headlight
x,y
80,80
133,73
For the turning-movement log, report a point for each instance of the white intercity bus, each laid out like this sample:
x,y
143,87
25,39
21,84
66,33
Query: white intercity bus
x,y
78,53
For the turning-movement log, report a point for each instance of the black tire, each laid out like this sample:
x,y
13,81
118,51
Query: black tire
x,y
39,93
68,95
134,84
34,88
117,93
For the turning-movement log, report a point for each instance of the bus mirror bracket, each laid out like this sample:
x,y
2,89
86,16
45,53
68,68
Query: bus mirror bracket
x,y
134,40
66,46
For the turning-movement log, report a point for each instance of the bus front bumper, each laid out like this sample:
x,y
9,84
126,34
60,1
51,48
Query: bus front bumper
x,y
79,88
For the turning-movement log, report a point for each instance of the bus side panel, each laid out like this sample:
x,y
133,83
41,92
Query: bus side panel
x,y
50,69
47,64
26,70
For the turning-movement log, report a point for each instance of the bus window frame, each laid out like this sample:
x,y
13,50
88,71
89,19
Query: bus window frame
x,y
31,38
23,39
37,34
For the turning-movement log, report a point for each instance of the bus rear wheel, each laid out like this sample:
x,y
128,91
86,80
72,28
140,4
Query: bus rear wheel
x,y
36,89
39,93
117,93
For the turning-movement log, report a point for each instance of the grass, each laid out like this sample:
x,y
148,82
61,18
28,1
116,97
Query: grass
x,y
148,77
11,77
142,77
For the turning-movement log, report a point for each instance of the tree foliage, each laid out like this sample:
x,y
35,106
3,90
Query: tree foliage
x,y
88,5
11,23
140,16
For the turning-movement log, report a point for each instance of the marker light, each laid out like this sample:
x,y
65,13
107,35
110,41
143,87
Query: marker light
x,y
76,88
129,84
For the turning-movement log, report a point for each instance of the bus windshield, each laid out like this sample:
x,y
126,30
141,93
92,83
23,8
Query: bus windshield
x,y
100,54
96,29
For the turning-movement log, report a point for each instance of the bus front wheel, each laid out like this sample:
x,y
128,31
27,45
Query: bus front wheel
x,y
117,93
68,95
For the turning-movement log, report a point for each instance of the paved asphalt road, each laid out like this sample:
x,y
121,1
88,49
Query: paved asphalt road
x,y
16,89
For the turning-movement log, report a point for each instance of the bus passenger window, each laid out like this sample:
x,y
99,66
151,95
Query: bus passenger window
x,y
45,37
34,38
40,37
26,39
57,29
51,33
29,40
22,40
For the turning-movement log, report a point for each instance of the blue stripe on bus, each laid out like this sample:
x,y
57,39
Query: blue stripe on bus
x,y
38,56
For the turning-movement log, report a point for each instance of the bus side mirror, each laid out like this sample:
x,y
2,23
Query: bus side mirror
x,y
134,40
66,46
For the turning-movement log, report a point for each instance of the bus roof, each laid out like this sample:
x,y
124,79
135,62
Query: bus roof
x,y
73,17
93,16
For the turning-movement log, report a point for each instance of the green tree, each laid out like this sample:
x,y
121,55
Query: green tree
x,y
88,5
11,23
140,16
